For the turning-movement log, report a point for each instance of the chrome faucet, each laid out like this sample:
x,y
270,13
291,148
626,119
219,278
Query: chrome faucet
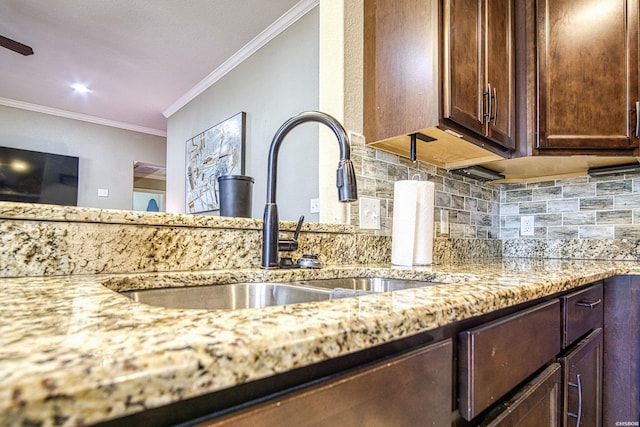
x,y
345,179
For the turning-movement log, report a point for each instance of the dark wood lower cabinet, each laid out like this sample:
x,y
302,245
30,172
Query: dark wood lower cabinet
x,y
493,358
512,367
582,378
621,350
410,390
536,404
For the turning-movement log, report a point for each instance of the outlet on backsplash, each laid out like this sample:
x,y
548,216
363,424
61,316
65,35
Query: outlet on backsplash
x,y
526,225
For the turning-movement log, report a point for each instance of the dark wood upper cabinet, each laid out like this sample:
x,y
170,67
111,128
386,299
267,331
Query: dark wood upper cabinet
x,y
478,68
494,80
400,67
587,64
401,87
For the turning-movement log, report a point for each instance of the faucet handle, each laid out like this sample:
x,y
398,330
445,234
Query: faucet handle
x,y
290,245
298,227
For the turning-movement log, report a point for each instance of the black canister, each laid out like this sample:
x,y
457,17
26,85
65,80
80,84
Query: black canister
x,y
235,195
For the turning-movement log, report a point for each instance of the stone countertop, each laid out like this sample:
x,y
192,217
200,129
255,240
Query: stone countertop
x,y
74,352
71,214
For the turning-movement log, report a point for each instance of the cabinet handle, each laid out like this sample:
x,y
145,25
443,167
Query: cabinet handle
x,y
637,119
588,303
495,107
579,414
488,95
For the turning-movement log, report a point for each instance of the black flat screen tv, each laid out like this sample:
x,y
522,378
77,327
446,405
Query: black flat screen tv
x,y
35,177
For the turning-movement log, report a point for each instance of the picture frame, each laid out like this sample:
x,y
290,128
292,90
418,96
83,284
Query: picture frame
x,y
218,151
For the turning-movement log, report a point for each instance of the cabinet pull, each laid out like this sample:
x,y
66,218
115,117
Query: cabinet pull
x,y
579,414
487,94
588,303
495,107
637,119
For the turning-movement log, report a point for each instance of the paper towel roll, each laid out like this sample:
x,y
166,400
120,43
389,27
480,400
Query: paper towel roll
x,y
412,235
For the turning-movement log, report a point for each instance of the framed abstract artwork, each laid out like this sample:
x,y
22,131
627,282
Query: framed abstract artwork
x,y
215,152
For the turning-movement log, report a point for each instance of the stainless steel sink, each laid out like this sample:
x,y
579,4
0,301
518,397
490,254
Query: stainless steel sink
x,y
232,296
365,284
258,295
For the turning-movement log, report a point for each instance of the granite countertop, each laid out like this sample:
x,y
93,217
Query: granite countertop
x,y
74,352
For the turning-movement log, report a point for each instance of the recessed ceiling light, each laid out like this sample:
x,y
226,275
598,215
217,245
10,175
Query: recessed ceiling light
x,y
20,165
80,88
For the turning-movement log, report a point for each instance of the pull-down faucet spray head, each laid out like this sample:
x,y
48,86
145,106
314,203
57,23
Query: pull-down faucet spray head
x,y
346,182
345,179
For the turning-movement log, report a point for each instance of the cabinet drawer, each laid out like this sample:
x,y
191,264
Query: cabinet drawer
x,y
414,389
497,356
582,312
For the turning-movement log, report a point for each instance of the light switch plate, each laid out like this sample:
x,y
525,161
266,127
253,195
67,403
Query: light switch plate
x,y
314,206
369,213
444,222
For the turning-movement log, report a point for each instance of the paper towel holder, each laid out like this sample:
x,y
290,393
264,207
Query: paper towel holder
x,y
413,155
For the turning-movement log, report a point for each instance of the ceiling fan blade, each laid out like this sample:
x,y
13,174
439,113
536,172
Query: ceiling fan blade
x,y
16,46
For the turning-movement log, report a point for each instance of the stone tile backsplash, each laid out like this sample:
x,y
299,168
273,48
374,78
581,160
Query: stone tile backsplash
x,y
473,207
566,211
577,208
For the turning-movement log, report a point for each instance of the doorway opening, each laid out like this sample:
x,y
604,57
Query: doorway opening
x,y
149,187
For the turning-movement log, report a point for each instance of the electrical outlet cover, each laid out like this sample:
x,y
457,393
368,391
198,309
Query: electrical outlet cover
x,y
369,213
526,225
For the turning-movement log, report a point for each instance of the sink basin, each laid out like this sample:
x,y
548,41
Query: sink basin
x,y
232,296
258,295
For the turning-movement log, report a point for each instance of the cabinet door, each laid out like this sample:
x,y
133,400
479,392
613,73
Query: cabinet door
x,y
410,390
582,375
479,70
588,75
400,67
464,101
500,78
536,404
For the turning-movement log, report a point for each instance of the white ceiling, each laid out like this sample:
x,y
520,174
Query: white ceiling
x,y
140,58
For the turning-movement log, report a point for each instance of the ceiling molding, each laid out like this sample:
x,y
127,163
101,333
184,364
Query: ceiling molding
x,y
281,24
82,117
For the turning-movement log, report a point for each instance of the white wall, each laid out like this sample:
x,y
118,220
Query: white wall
x,y
275,83
106,153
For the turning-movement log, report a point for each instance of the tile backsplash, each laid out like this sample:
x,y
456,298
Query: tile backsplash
x,y
577,208
580,208
472,206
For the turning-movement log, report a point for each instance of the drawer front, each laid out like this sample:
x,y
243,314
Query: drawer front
x,y
411,390
495,357
582,312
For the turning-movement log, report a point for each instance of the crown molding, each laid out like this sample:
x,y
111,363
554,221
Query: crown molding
x,y
82,117
281,24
